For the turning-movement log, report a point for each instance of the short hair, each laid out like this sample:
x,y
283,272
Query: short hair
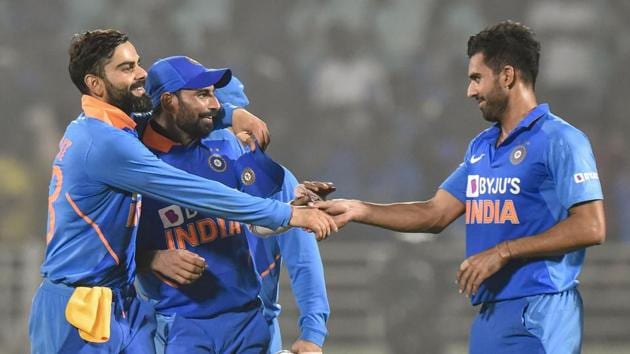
x,y
89,52
508,43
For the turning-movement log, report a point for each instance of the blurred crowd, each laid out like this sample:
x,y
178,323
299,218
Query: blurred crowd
x,y
369,94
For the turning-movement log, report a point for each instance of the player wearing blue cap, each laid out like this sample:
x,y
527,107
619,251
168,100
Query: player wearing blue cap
x,y
218,312
87,303
532,201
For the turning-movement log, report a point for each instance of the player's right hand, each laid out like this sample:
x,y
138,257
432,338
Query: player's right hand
x,y
182,266
244,121
313,219
342,210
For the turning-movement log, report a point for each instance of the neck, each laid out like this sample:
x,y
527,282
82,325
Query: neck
x,y
166,126
521,101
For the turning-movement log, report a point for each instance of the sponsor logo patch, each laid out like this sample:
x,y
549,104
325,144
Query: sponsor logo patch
x,y
582,177
171,216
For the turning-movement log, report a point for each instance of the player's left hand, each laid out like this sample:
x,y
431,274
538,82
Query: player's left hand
x,y
479,267
244,121
309,192
303,346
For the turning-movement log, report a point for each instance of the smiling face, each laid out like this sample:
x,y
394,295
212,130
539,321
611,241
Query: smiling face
x,y
484,87
196,110
124,80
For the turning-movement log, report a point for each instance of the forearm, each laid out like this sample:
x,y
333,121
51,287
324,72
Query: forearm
x,y
402,217
575,232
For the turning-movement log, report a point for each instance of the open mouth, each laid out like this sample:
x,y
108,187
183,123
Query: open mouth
x,y
138,89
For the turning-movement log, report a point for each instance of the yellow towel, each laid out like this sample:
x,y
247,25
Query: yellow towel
x,y
89,310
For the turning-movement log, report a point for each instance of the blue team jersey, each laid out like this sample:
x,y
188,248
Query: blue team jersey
x,y
230,282
296,248
521,188
94,199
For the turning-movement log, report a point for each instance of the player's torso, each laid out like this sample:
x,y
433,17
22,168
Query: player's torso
x,y
505,190
91,226
230,280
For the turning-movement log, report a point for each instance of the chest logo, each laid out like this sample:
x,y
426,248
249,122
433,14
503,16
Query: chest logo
x,y
474,159
518,154
217,163
248,177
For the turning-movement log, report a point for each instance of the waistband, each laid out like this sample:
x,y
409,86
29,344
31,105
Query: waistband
x,y
118,294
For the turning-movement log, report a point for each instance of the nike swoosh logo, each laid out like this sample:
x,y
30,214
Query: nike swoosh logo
x,y
474,159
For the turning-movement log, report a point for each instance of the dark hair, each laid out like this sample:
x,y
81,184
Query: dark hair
x,y
508,43
89,52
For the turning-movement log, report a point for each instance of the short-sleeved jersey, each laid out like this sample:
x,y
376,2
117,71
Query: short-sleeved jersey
x,y
521,188
296,248
94,199
230,282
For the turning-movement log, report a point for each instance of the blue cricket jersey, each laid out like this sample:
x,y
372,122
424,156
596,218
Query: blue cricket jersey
x,y
230,282
521,188
296,248
94,199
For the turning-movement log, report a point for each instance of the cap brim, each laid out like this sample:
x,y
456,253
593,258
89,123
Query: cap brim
x,y
211,77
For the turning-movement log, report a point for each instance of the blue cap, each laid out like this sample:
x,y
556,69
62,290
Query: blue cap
x,y
182,73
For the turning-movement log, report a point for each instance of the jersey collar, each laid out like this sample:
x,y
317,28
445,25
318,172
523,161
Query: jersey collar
x,y
526,123
103,111
156,141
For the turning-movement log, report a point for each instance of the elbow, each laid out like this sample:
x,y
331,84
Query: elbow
x,y
597,233
599,236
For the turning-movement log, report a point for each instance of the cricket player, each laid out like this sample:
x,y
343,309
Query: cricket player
x,y
218,308
530,195
87,302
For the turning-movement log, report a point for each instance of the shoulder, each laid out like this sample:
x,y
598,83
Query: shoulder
x,y
560,132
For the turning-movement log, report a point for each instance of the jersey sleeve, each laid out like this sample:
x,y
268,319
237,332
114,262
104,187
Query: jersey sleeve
x,y
300,255
121,161
231,97
456,183
571,165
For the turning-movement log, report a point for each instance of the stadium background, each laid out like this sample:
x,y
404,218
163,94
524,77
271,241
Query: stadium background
x,y
369,94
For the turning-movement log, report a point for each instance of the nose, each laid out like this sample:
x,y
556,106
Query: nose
x,y
472,90
214,103
141,74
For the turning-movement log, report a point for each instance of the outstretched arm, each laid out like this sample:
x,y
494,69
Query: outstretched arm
x,y
431,216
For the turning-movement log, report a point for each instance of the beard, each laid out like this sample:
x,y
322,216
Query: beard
x,y
124,99
196,126
496,104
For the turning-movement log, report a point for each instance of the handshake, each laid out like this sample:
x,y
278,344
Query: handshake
x,y
312,212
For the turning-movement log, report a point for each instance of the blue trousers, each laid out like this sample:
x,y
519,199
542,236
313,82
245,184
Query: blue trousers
x,y
243,332
132,324
541,324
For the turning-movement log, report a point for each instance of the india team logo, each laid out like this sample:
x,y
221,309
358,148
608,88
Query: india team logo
x,y
248,177
518,154
171,216
217,163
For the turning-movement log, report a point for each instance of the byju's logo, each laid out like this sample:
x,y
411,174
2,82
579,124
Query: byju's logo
x,y
171,216
582,177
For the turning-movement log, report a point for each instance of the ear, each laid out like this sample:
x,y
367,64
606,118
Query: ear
x,y
169,102
95,85
508,76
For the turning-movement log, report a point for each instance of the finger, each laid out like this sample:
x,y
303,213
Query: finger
x,y
471,282
341,220
462,267
193,258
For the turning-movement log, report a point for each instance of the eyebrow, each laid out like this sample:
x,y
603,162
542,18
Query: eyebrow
x,y
473,76
129,62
